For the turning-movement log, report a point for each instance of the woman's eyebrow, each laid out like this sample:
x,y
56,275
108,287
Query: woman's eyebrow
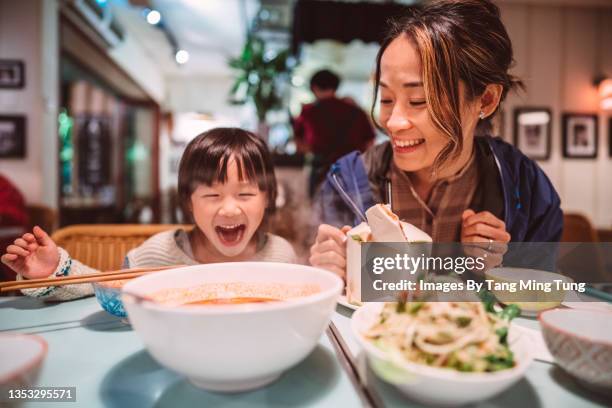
x,y
413,84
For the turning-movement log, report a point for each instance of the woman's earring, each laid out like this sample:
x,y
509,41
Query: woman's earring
x,y
481,115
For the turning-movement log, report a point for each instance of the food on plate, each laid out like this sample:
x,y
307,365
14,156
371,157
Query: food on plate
x,y
462,336
382,226
231,301
385,225
232,293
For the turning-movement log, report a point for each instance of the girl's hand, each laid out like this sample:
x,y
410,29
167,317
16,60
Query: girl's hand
x,y
329,249
33,255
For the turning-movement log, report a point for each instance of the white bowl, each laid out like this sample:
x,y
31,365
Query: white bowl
x,y
581,343
21,356
236,347
439,386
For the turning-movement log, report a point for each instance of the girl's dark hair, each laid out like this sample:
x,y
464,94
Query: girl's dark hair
x,y
206,158
458,41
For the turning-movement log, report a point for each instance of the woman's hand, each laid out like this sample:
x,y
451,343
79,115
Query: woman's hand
x,y
329,250
486,235
33,256
482,227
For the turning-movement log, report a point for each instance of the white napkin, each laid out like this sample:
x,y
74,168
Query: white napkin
x,y
538,345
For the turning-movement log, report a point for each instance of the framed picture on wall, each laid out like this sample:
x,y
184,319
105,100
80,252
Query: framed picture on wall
x,y
12,74
532,127
579,136
610,137
12,137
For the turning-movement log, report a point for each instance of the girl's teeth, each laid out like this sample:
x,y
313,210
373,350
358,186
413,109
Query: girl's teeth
x,y
408,143
229,226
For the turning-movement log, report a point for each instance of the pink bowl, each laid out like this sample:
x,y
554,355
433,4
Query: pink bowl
x,y
581,342
21,357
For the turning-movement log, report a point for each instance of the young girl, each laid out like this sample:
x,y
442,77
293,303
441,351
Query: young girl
x,y
226,184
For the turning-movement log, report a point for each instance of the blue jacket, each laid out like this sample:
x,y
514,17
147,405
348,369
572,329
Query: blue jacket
x,y
526,198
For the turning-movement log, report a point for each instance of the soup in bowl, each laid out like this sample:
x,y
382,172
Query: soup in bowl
x,y
232,327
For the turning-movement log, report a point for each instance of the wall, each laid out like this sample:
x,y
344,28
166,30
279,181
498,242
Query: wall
x,y
28,31
559,51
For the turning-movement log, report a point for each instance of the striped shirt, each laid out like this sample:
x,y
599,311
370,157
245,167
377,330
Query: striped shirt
x,y
440,214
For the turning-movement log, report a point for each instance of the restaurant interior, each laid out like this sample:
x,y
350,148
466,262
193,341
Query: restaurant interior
x,y
99,99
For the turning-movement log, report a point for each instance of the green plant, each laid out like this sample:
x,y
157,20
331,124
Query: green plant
x,y
258,74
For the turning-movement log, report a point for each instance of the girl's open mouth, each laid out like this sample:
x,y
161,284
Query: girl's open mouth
x,y
230,234
407,146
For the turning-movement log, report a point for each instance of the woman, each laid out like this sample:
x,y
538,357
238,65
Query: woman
x,y
442,73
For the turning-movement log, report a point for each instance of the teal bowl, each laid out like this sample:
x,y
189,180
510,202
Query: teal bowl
x,y
109,297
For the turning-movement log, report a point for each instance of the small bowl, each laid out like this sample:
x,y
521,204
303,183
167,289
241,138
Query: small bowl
x,y
108,295
433,385
232,348
22,356
530,302
581,343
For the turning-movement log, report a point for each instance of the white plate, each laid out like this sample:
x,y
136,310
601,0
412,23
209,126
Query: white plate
x,y
342,300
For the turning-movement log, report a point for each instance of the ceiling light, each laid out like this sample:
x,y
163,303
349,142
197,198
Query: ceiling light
x,y
153,17
181,56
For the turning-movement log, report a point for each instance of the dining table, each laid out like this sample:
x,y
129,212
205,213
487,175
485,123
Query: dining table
x,y
103,358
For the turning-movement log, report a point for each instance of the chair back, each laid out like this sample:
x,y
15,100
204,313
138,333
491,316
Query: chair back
x,y
43,216
578,228
104,246
588,265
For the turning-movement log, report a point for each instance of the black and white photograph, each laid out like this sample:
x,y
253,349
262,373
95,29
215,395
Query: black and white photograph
x,y
12,74
579,136
12,137
532,127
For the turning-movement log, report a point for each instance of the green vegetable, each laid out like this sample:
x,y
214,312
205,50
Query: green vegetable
x,y
497,363
488,300
465,367
464,321
510,312
357,238
415,307
503,335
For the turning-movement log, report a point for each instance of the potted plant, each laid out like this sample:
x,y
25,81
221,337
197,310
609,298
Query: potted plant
x,y
260,74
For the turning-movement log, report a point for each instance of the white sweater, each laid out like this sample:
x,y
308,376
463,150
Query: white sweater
x,y
166,248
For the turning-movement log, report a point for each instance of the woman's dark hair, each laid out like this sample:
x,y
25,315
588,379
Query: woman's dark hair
x,y
325,79
458,41
206,158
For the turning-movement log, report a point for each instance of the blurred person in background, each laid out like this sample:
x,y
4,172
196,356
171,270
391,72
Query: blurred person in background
x,y
13,220
330,127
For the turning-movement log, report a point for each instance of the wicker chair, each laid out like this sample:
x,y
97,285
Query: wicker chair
x,y
104,246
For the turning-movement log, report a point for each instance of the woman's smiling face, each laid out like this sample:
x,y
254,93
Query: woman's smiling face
x,y
404,115
229,214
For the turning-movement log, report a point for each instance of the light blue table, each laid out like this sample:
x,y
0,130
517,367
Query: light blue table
x,y
106,361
